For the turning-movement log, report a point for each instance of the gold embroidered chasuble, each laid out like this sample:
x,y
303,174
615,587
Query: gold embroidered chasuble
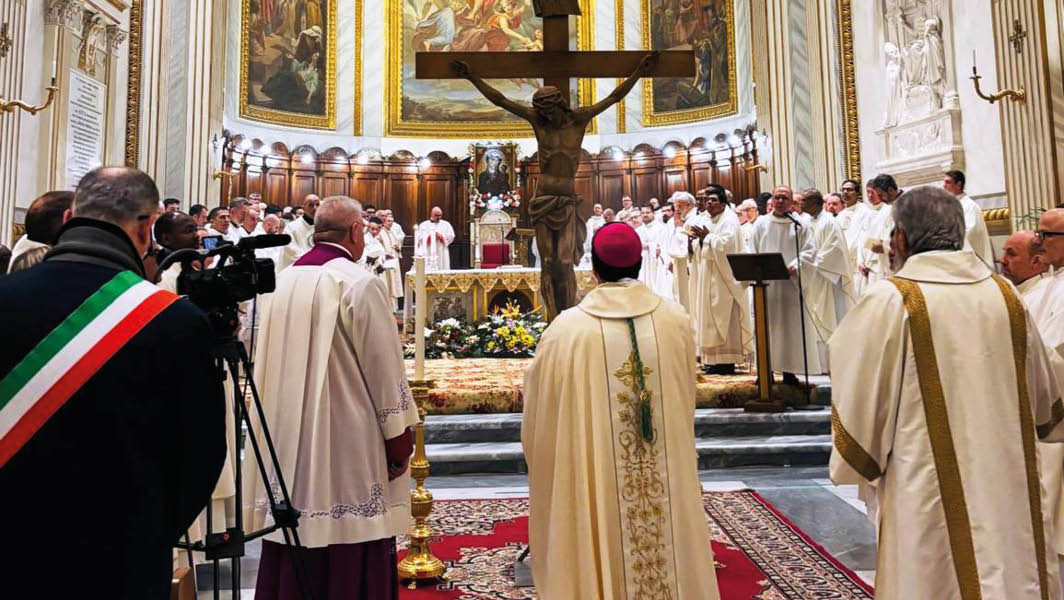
x,y
613,515
939,412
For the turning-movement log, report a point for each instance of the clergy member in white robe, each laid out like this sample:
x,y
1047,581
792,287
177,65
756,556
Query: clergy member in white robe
x,y
334,392
830,288
238,210
677,245
432,239
722,319
873,263
854,219
391,239
615,502
301,230
976,236
655,261
775,232
940,411
592,225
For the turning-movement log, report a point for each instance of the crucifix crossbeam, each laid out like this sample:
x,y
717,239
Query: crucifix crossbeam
x,y
556,64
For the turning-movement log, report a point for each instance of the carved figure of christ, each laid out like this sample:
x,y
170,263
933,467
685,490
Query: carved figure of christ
x,y
558,127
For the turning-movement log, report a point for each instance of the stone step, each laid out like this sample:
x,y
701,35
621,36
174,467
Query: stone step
x,y
709,423
775,450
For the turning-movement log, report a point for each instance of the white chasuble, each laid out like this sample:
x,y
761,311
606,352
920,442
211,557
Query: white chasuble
x,y
939,413
830,287
333,385
612,515
776,234
428,243
302,233
720,309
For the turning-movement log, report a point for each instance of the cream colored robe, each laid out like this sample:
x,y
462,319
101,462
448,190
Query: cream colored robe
x,y
880,224
333,386
776,234
302,234
602,500
830,289
721,312
954,470
393,248
976,237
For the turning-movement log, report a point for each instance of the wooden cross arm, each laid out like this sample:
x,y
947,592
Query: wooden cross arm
x,y
552,65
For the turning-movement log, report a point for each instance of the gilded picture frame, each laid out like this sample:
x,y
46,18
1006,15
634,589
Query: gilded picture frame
x,y
266,114
653,116
398,126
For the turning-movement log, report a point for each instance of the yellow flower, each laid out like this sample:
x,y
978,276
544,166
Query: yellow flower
x,y
503,331
520,330
491,345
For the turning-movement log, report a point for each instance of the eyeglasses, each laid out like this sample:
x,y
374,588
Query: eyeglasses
x,y
1042,235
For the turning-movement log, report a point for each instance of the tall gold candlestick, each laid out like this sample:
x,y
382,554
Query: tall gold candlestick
x,y
419,563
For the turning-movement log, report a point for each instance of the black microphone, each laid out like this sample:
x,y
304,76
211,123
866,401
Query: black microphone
x,y
266,240
793,219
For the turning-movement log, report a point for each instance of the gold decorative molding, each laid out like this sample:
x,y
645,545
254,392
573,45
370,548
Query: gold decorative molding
x,y
998,221
283,117
622,118
396,126
691,115
134,69
848,88
359,7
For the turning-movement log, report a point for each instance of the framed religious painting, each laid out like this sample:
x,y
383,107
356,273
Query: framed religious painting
x,y
708,28
453,108
494,178
288,62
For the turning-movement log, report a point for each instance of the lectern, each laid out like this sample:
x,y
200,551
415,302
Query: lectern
x,y
759,269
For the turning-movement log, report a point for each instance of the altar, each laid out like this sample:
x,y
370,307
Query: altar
x,y
471,294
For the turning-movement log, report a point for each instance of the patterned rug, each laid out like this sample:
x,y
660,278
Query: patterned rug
x,y
494,385
760,554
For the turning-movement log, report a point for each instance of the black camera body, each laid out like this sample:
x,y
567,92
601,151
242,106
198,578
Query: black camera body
x,y
237,276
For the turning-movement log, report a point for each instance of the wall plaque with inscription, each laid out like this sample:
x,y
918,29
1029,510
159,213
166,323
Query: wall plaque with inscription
x,y
86,126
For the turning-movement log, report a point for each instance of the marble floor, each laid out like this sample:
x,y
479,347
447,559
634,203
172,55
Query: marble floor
x,y
832,516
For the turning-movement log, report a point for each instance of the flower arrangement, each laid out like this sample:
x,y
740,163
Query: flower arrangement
x,y
507,333
510,334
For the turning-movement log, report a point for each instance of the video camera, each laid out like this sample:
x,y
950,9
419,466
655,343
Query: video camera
x,y
237,275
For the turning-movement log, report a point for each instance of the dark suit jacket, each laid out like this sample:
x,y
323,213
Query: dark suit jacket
x,y
91,505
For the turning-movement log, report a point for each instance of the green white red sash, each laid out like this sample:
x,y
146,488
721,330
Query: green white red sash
x,y
71,354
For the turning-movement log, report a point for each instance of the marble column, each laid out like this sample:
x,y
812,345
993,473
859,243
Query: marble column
x,y
13,13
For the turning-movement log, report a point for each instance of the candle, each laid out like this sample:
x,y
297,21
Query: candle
x,y
55,69
973,61
419,318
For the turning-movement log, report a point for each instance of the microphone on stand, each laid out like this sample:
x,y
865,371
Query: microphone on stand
x,y
801,293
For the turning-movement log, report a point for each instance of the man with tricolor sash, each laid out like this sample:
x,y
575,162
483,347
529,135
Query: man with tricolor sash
x,y
111,411
940,413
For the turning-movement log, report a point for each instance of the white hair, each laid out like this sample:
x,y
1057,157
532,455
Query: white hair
x,y
682,197
336,213
931,218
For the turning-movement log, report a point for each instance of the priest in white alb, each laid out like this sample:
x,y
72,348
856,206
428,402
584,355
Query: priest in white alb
x,y
854,219
301,230
432,239
391,237
615,504
655,264
873,263
721,311
334,392
776,232
940,412
976,236
830,292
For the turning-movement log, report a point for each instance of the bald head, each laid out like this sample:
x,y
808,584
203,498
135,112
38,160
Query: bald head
x,y
1052,228
436,214
272,224
311,204
782,197
1023,257
121,196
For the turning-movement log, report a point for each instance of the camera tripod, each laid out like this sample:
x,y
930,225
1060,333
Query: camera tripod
x,y
230,357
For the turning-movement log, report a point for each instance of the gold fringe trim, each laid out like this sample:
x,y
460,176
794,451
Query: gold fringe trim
x,y
852,451
955,508
1018,327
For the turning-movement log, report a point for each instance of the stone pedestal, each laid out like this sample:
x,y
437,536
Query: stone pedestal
x,y
920,150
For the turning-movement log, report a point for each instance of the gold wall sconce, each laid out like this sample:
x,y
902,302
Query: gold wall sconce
x,y
1019,95
755,168
9,106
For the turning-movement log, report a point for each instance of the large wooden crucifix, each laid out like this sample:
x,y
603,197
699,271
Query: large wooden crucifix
x,y
559,128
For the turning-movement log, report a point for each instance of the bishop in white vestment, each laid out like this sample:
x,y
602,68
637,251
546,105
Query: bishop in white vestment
x,y
432,239
334,392
721,312
608,434
775,232
830,288
301,231
955,361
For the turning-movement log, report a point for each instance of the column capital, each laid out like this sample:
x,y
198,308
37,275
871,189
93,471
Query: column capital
x,y
64,13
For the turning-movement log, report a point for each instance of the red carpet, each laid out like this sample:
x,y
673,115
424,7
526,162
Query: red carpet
x,y
760,554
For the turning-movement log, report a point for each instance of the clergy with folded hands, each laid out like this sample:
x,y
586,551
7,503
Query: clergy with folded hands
x,y
335,396
608,435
